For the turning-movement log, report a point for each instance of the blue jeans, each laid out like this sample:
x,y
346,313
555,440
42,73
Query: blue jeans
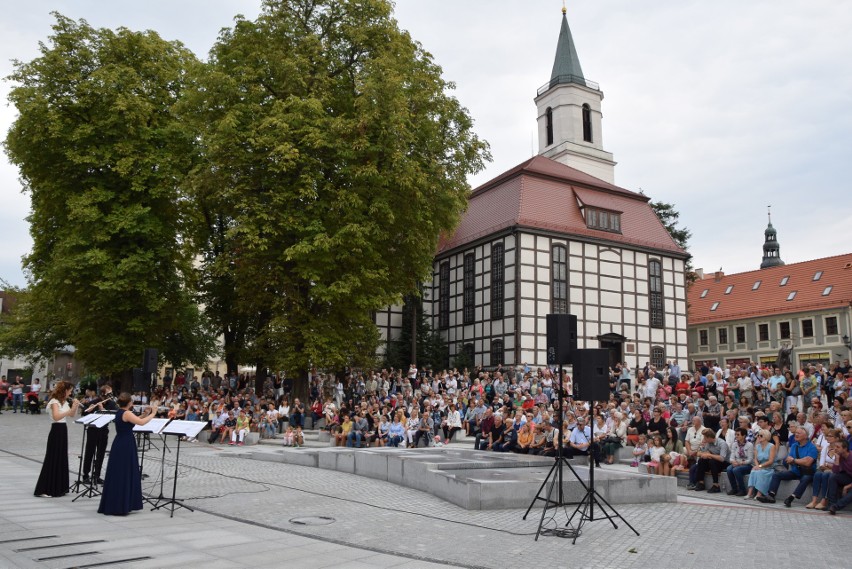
x,y
790,475
353,436
736,476
17,401
395,440
821,483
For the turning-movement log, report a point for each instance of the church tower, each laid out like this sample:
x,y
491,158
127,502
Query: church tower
x,y
771,248
569,114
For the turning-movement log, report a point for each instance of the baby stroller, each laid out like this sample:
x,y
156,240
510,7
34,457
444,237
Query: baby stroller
x,y
33,403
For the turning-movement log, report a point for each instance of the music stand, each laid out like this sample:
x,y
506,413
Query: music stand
x,y
179,429
85,420
154,426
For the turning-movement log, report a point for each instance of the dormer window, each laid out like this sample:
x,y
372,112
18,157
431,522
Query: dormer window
x,y
603,219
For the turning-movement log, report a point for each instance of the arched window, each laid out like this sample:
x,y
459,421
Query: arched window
x,y
559,288
587,123
548,117
655,294
497,281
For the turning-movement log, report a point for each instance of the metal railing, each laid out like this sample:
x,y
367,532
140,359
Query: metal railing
x,y
565,79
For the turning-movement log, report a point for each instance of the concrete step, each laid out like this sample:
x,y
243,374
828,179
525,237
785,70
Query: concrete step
x,y
475,480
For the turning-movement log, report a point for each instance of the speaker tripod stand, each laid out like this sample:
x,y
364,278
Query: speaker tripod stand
x,y
555,478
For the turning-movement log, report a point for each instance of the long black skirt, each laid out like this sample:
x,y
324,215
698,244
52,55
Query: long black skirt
x,y
54,479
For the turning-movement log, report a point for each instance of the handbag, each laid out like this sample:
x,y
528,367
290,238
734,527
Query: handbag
x,y
796,391
804,470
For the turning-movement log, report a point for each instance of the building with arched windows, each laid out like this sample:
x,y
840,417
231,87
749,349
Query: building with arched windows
x,y
556,235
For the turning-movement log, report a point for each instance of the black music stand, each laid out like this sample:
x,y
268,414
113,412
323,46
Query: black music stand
x,y
76,486
179,429
154,426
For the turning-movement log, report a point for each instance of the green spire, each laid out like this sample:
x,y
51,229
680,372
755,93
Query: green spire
x,y
567,62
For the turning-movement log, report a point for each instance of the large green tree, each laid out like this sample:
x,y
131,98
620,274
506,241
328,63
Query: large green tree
x,y
103,156
334,158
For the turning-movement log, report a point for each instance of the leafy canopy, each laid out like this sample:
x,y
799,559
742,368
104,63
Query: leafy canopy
x,y
334,159
102,155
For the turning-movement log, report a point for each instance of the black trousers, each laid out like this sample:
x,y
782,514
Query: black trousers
x,y
93,458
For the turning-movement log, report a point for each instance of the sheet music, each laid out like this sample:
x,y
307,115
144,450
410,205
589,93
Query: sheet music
x,y
186,428
154,426
103,419
86,419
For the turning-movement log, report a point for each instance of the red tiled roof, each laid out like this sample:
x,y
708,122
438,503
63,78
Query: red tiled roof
x,y
543,194
771,298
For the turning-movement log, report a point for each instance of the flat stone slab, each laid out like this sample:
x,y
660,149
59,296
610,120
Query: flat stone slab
x,y
478,480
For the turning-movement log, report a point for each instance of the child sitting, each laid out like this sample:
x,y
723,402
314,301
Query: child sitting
x,y
639,451
288,437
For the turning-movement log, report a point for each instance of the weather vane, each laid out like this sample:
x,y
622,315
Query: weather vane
x,y
769,212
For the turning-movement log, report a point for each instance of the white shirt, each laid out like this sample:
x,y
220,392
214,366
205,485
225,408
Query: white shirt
x,y
63,408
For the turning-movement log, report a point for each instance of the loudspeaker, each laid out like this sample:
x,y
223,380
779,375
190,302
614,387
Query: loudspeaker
x,y
149,362
141,382
591,375
561,338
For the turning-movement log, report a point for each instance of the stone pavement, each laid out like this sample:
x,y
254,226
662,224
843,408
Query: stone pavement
x,y
245,511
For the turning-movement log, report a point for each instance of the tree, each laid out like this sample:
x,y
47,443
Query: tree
x,y
334,158
669,217
103,156
431,348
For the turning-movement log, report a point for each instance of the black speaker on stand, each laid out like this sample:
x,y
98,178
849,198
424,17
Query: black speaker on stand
x,y
591,383
561,338
591,375
139,383
149,367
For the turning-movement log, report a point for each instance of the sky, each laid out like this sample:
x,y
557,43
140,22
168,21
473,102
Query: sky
x,y
721,108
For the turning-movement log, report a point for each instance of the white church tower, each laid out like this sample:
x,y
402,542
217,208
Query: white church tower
x,y
569,114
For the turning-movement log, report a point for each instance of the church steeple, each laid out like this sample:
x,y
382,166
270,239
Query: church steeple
x,y
566,65
569,113
771,248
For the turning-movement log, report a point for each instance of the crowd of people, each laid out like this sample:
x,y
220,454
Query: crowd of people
x,y
757,426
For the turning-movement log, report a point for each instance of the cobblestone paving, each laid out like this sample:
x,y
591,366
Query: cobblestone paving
x,y
382,517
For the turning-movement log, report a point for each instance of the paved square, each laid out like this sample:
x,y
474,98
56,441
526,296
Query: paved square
x,y
244,510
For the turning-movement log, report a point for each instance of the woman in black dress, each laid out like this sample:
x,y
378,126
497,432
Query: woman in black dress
x,y
122,491
53,480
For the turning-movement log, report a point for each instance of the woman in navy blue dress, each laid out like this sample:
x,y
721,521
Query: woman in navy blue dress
x,y
122,492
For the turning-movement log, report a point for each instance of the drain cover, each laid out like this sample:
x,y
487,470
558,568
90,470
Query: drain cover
x,y
312,521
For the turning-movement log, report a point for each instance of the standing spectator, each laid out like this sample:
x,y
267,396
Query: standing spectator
x,y
4,392
17,395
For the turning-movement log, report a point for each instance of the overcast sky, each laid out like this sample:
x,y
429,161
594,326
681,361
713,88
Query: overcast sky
x,y
719,107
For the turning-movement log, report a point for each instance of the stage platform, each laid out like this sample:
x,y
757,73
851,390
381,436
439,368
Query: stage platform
x,y
475,480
